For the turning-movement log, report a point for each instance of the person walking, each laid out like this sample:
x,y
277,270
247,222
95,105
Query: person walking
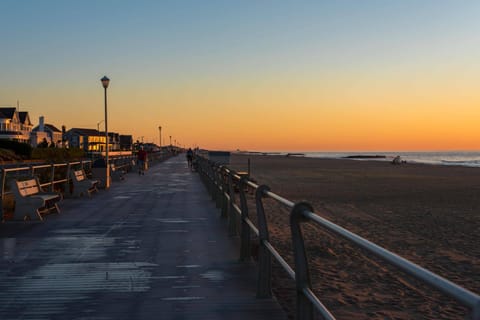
x,y
190,157
141,160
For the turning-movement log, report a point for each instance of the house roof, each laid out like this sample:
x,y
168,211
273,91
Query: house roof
x,y
85,132
47,126
51,127
7,113
23,115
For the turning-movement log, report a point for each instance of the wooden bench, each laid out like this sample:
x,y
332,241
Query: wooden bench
x,y
81,184
31,201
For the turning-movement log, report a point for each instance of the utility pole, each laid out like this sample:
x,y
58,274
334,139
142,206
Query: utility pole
x,y
160,140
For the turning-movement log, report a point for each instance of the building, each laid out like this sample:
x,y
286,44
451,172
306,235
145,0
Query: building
x,y
46,131
126,142
15,125
114,141
86,139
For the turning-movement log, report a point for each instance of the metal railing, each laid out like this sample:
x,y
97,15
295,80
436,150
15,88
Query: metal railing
x,y
221,183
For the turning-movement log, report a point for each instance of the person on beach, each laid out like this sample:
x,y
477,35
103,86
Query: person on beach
x,y
397,160
141,160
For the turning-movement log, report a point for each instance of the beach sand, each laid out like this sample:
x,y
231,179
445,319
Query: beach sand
x,y
427,214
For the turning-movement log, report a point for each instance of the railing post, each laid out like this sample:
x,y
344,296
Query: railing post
x,y
245,250
302,272
52,178
212,179
475,313
67,183
232,221
203,171
219,193
207,177
264,282
4,174
224,211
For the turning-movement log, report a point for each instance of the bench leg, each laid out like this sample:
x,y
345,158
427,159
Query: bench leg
x,y
78,191
57,208
27,212
36,216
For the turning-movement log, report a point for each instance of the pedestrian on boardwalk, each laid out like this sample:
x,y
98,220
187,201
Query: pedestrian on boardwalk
x,y
141,160
190,157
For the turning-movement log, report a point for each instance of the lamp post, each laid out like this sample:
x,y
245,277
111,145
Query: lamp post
x,y
160,141
170,141
105,82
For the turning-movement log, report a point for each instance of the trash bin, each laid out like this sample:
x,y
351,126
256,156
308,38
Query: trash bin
x,y
99,172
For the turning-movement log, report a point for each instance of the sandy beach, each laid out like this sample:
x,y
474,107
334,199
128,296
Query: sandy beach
x,y
427,214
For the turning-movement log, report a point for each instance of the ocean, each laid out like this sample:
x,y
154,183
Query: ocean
x,y
458,158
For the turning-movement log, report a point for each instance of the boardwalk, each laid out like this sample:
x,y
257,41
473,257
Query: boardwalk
x,y
152,247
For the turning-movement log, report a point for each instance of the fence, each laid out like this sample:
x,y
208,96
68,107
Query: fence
x,y
56,176
221,183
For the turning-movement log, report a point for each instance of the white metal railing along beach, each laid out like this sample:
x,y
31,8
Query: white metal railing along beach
x,y
221,181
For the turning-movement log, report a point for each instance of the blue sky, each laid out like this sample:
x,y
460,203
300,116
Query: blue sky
x,y
48,38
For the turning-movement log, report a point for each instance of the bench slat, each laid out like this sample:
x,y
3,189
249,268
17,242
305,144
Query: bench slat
x,y
28,187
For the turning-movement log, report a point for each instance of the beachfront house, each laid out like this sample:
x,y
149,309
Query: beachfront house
x,y
89,140
46,132
15,125
114,141
126,142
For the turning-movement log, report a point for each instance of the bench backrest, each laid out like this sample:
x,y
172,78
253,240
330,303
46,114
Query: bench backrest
x,y
28,187
79,175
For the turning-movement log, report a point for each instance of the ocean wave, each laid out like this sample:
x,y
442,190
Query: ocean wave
x,y
454,158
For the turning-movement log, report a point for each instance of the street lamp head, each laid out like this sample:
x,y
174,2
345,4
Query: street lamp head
x,y
105,81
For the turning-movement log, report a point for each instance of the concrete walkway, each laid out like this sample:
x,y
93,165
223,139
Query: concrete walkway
x,y
151,247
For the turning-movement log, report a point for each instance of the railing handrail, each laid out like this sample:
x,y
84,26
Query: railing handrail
x,y
462,295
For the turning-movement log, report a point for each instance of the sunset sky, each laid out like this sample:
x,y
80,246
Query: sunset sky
x,y
253,75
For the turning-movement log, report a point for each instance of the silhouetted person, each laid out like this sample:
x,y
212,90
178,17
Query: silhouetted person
x,y
190,157
141,160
